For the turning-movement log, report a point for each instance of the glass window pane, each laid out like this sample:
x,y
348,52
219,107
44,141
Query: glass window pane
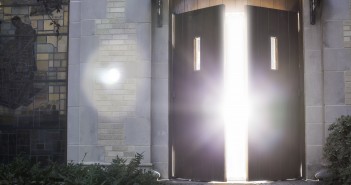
x,y
274,53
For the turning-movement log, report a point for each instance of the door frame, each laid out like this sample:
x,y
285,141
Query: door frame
x,y
302,123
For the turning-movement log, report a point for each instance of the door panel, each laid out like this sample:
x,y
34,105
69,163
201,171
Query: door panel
x,y
274,152
197,131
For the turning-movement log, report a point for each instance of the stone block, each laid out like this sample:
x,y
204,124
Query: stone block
x,y
347,76
143,39
143,69
74,30
73,153
111,137
143,7
160,70
337,59
312,38
159,129
88,48
160,45
159,154
137,131
347,44
347,82
313,89
160,112
92,154
143,98
73,126
159,96
114,154
116,10
92,9
88,27
129,69
74,51
334,112
336,10
120,148
314,134
88,131
314,114
348,101
334,88
314,154
86,87
333,34
313,61
73,85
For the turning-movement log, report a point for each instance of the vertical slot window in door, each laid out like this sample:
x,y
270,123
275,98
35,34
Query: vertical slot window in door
x,y
274,54
197,53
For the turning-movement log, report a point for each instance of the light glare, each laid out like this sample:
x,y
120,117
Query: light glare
x,y
236,97
110,77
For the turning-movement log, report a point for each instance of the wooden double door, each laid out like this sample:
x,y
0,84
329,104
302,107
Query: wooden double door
x,y
197,134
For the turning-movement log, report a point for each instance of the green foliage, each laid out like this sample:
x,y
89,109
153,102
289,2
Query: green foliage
x,y
21,172
337,151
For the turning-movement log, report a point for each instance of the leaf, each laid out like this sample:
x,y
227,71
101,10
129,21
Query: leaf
x,y
337,150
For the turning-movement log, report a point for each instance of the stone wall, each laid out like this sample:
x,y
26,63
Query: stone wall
x,y
326,58
107,119
132,115
159,91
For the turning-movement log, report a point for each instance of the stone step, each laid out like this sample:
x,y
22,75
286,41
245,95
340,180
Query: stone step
x,y
292,182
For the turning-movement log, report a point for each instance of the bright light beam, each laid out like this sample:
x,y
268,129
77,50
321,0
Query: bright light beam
x,y
236,97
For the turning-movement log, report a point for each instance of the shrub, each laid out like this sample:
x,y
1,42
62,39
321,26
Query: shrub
x,y
21,172
337,151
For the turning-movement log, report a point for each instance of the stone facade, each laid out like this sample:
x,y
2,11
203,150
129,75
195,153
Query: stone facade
x,y
159,92
347,78
326,58
347,34
132,115
107,120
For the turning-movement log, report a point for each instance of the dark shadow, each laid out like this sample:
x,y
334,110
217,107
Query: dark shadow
x,y
17,66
